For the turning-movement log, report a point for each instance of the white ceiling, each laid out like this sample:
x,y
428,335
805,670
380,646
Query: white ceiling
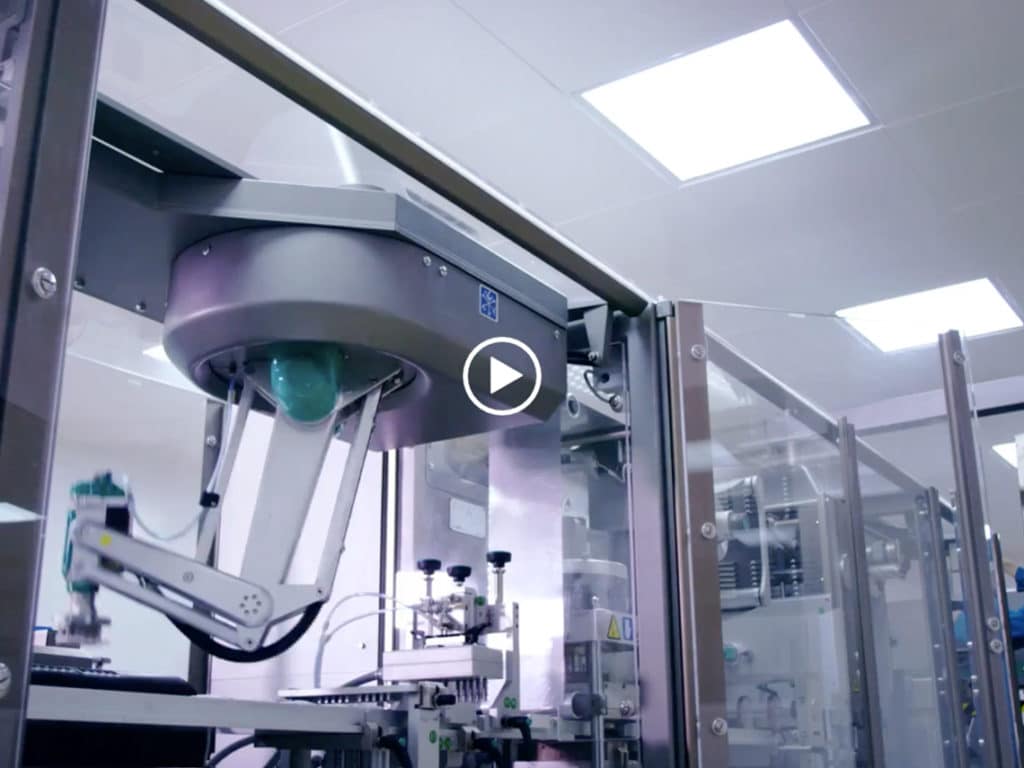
x,y
930,194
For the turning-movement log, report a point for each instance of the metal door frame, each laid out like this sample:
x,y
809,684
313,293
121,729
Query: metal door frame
x,y
693,496
997,706
43,170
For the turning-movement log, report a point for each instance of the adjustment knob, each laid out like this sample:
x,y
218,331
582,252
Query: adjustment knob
x,y
444,699
499,558
429,566
459,573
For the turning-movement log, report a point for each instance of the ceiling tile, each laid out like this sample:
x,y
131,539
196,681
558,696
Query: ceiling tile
x,y
143,55
425,64
255,128
912,57
815,231
558,159
578,44
275,16
969,154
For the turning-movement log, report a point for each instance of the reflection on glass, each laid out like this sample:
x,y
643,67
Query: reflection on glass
x,y
784,589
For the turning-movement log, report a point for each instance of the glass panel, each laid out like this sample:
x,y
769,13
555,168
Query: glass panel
x,y
910,613
556,497
823,642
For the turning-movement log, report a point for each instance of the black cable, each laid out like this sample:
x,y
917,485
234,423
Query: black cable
x,y
230,750
397,748
206,643
230,653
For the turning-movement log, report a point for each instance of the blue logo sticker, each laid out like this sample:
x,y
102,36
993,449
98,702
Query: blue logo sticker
x,y
489,303
627,628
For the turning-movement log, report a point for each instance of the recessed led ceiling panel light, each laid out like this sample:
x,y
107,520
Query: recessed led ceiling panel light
x,y
741,100
974,308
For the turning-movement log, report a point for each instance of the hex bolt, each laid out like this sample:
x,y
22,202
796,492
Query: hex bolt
x,y
211,441
708,530
719,726
698,352
995,645
427,261
44,283
442,271
993,623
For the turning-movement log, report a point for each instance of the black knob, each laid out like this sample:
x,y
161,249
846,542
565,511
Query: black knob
x,y
587,705
499,559
429,566
459,573
444,699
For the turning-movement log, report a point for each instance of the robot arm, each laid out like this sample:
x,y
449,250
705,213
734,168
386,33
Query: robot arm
x,y
207,604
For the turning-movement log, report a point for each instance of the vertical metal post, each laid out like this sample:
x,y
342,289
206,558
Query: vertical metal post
x,y
654,560
1006,657
935,578
213,437
872,752
43,160
995,703
700,614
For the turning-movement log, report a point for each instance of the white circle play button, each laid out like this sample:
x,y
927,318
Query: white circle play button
x,y
509,375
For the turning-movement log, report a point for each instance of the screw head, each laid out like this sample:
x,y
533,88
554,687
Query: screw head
x,y
44,283
442,271
427,261
558,334
993,623
615,402
206,249
959,357
719,726
211,441
592,357
79,283
995,645
188,577
141,307
698,352
708,530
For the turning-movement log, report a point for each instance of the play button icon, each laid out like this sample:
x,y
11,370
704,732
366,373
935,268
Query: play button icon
x,y
507,371
502,375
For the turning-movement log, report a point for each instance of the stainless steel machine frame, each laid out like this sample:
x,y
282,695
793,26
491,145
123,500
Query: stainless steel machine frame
x,y
680,645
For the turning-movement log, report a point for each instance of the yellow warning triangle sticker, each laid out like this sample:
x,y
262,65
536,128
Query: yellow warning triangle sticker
x,y
613,630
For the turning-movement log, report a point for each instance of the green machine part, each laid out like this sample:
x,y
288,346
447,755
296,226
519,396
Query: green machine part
x,y
100,485
306,378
